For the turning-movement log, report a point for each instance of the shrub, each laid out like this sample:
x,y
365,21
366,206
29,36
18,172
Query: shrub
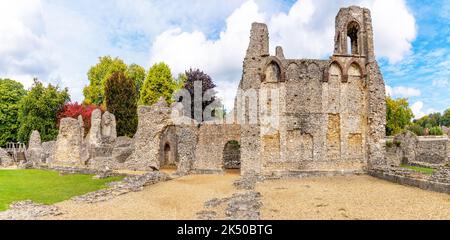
x,y
416,129
436,131
397,143
389,143
74,110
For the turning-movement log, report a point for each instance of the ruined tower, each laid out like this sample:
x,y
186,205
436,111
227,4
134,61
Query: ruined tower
x,y
330,114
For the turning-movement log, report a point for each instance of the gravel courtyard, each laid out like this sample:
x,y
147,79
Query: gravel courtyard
x,y
356,197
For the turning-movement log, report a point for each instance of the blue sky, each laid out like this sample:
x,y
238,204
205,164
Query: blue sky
x,y
427,67
58,40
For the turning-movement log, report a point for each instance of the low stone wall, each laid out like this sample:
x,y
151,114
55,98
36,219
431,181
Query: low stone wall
x,y
407,148
438,182
433,150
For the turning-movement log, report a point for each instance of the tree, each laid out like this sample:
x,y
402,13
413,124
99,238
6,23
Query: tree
x,y
137,74
158,83
193,76
97,75
399,115
120,100
11,92
445,119
38,111
74,110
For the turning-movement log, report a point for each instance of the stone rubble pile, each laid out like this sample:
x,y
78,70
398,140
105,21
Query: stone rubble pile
x,y
128,184
244,206
248,181
29,210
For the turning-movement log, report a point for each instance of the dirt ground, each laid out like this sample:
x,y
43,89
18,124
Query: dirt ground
x,y
181,198
356,197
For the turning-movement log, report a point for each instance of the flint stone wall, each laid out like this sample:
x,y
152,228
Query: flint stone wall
x,y
35,150
48,151
438,182
430,151
68,147
331,113
5,159
152,122
212,140
433,150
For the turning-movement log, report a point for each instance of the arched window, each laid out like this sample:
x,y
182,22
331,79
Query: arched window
x,y
273,72
352,34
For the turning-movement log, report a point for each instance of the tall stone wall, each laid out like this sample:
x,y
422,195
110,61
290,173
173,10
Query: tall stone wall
x,y
152,122
68,147
35,150
212,140
329,114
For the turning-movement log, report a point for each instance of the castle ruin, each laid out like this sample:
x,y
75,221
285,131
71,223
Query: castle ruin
x,y
291,117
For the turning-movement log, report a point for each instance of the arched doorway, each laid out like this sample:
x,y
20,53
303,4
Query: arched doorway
x,y
232,155
168,160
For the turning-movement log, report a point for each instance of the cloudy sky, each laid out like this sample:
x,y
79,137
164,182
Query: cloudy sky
x,y
58,40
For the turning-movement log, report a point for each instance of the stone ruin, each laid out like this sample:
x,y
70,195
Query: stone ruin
x,y
427,151
331,117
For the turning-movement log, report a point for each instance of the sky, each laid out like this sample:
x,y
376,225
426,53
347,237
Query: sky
x,y
58,41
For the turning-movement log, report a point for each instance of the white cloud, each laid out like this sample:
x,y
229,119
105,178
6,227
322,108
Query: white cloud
x,y
22,42
58,41
305,31
418,110
402,91
388,90
405,92
221,58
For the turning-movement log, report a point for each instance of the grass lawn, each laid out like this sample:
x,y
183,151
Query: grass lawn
x,y
45,187
420,169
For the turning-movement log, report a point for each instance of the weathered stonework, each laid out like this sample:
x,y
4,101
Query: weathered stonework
x,y
331,113
152,122
431,151
5,159
35,149
48,151
68,148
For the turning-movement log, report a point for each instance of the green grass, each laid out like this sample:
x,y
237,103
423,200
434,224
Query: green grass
x,y
45,187
424,170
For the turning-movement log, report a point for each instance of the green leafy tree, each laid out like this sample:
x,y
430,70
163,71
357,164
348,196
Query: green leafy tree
x,y
158,83
120,100
11,92
399,115
137,74
97,75
38,111
445,119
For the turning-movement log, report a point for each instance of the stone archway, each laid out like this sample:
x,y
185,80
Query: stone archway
x,y
168,158
232,155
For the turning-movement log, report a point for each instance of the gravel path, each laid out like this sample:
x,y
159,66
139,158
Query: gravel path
x,y
180,198
356,197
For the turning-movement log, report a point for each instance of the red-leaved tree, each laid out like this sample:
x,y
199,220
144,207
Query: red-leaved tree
x,y
75,109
